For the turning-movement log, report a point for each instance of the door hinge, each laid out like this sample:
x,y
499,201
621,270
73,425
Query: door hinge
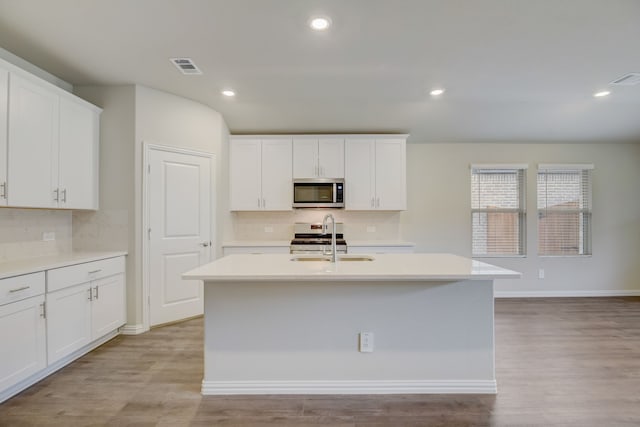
x,y
149,168
149,234
44,310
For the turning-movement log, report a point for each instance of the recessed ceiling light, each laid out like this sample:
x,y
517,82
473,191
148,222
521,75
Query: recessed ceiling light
x,y
228,92
436,92
601,94
319,23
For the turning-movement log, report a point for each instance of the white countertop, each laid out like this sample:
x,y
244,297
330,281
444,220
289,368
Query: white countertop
x,y
355,243
384,267
255,243
32,265
392,243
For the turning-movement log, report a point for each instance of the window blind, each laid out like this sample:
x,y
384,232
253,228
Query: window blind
x,y
498,211
564,210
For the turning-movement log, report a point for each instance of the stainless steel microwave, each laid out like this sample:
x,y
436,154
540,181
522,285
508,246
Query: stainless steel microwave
x,y
318,193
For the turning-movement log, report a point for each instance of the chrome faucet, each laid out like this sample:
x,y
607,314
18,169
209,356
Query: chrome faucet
x,y
334,251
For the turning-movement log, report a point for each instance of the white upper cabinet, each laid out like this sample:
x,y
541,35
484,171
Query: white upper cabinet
x,y
245,170
78,156
375,174
277,183
33,144
318,158
4,100
48,145
260,174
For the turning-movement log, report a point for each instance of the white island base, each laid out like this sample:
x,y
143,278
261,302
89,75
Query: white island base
x,y
282,327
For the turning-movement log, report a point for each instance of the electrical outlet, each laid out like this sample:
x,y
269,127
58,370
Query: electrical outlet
x,y
366,342
48,236
268,229
371,228
541,273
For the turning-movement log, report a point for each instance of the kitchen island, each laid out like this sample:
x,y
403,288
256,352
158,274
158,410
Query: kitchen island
x,y
287,324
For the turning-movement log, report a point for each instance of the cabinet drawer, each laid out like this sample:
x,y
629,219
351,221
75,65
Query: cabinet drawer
x,y
20,287
60,278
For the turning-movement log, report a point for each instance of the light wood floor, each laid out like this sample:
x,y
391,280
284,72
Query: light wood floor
x,y
560,362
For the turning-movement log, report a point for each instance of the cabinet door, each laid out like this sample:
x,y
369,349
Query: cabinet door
x,y
245,175
277,182
108,308
305,158
33,144
331,155
22,334
391,181
359,190
78,167
68,321
4,99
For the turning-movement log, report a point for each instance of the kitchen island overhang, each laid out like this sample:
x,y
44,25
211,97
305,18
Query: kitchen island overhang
x,y
277,326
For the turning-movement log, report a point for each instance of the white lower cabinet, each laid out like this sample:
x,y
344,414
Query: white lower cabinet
x,y
79,313
23,350
68,321
49,318
108,308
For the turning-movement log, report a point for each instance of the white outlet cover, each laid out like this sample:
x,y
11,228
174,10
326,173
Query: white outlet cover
x,y
48,236
371,228
366,342
268,229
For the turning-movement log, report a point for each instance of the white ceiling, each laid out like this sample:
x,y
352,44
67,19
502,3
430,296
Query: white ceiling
x,y
514,70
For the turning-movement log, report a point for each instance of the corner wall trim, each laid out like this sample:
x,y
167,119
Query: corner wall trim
x,y
567,294
135,329
350,387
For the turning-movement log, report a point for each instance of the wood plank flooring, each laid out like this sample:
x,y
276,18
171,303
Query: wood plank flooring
x,y
560,362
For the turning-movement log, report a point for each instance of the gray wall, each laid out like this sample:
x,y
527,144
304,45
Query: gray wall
x,y
134,115
438,217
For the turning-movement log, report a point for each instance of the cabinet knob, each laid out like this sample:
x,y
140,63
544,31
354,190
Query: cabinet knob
x,y
205,244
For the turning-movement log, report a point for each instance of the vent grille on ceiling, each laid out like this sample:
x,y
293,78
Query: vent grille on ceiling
x,y
627,80
186,66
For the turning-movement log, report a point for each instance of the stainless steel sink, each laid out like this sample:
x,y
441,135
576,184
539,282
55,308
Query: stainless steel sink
x,y
328,258
311,258
355,258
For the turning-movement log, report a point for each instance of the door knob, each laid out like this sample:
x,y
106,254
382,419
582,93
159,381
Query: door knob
x,y
205,244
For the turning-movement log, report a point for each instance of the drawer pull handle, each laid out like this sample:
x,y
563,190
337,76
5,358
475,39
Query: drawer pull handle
x,y
96,296
95,271
19,289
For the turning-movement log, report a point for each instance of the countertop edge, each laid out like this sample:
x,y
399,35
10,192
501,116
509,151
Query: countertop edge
x,y
348,278
20,267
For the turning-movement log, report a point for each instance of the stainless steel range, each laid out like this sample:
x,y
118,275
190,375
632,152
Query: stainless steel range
x,y
310,238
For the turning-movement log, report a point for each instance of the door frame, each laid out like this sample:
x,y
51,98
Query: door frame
x,y
147,147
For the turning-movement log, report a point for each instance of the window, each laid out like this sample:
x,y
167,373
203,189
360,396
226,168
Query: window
x,y
498,210
564,209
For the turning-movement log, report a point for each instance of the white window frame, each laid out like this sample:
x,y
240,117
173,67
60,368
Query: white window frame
x,y
587,239
521,210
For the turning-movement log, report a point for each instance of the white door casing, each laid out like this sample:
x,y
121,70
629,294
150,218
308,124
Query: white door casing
x,y
179,236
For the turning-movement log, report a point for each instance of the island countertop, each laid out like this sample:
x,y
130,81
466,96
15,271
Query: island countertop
x,y
383,267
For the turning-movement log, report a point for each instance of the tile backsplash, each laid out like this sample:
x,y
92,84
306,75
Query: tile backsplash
x,y
22,233
279,225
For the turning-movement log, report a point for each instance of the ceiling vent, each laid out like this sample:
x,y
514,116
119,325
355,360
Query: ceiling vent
x,y
186,66
627,80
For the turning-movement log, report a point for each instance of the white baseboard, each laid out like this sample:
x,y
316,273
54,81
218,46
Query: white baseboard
x,y
135,329
565,294
349,387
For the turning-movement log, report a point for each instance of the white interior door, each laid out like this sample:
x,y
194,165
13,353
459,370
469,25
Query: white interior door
x,y
179,215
